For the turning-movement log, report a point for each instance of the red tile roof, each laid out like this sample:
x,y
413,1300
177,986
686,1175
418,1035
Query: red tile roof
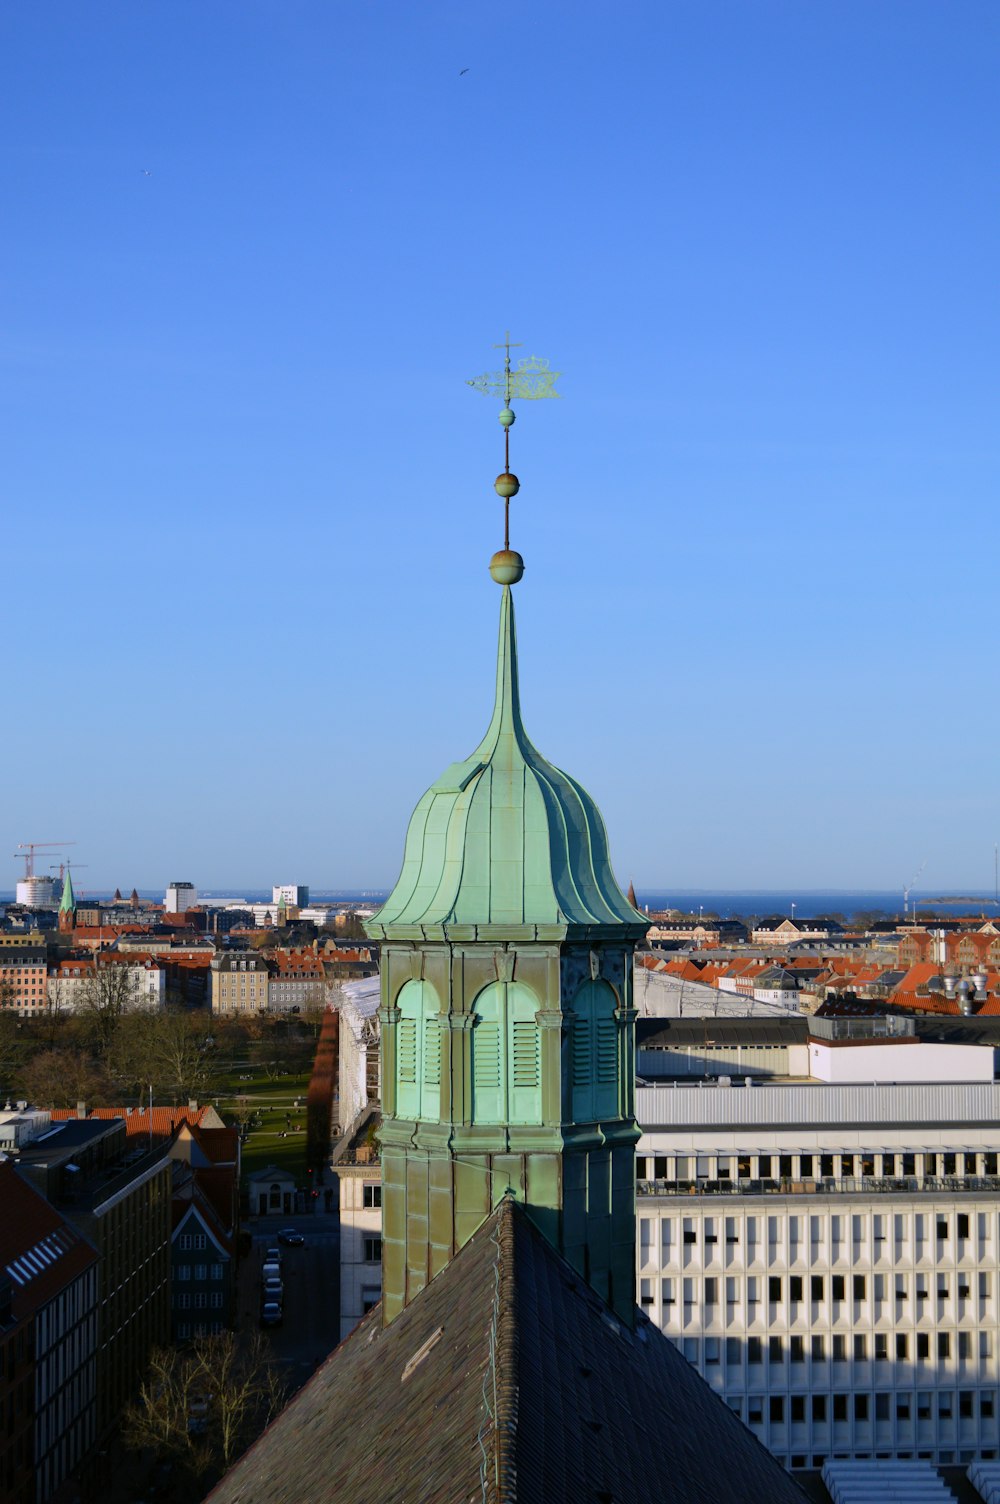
x,y
136,1119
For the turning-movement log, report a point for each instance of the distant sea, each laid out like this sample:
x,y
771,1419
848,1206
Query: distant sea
x,y
729,903
741,903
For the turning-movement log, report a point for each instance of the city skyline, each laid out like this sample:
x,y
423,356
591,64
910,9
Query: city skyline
x,y
256,256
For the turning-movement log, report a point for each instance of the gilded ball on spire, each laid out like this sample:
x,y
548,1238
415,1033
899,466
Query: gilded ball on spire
x,y
506,566
506,484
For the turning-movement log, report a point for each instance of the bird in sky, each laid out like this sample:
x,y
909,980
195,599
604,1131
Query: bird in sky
x,y
145,172
461,71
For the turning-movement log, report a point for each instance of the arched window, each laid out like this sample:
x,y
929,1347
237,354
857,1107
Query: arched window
x,y
506,1056
595,1054
418,1053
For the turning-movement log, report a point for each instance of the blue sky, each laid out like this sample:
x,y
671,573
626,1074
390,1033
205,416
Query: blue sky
x,y
248,499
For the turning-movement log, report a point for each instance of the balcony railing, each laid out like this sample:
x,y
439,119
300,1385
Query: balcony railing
x,y
851,1185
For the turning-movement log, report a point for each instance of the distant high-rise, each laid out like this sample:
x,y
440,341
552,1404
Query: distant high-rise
x,y
38,892
295,895
180,897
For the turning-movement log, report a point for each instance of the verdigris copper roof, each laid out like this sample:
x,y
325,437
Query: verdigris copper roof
x,y
505,840
506,1381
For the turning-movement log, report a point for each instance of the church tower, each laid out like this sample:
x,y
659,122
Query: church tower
x,y
507,1018
67,905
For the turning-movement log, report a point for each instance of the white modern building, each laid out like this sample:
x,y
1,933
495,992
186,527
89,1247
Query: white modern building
x,y
180,897
38,892
357,1002
358,1169
294,895
827,1252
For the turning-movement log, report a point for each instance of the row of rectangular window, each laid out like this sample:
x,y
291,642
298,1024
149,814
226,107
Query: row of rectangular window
x,y
818,1284
711,1228
842,1346
198,1329
199,1302
863,1407
200,1271
812,1166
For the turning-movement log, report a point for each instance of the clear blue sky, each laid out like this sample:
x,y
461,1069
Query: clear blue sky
x,y
247,498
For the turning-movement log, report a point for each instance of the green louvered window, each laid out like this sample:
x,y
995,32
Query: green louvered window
x,y
506,1056
418,1053
594,1054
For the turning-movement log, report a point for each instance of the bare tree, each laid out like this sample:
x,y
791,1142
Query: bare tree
x,y
243,1110
131,1056
228,1386
61,1078
12,1049
9,996
178,1061
105,997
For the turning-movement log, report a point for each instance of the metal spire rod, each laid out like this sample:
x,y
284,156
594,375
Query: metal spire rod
x,y
531,380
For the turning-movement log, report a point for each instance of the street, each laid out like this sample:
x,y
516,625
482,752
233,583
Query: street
x,y
311,1277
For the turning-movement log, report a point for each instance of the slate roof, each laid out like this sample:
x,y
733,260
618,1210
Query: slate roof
x,y
574,1407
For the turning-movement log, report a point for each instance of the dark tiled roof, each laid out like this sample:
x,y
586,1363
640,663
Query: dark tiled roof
x,y
40,1251
574,1407
680,1033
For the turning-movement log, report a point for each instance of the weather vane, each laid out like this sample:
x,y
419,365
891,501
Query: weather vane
x,y
530,381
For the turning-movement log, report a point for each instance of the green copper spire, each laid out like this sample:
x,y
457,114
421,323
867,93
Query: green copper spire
x,y
67,904
507,1026
505,838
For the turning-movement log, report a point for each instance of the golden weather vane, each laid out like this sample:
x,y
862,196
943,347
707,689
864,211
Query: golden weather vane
x,y
530,380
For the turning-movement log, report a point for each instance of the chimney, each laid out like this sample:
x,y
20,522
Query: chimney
x,y
192,1105
81,1109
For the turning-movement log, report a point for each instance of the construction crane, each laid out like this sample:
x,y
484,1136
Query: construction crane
x,y
26,852
910,887
64,867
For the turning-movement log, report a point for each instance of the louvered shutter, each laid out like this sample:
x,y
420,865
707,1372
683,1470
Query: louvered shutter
x,y
487,1097
524,1084
430,1107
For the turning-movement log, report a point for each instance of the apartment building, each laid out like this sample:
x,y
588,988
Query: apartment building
x,y
297,982
23,975
239,982
80,982
827,1254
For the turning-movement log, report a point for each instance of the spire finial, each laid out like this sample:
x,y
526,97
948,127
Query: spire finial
x,y
531,380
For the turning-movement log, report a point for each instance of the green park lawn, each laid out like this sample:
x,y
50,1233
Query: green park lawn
x,y
273,1103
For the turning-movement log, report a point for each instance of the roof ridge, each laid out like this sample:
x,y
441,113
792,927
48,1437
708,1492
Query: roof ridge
x,y
505,1347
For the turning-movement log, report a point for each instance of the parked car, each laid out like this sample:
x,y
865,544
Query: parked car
x,y
271,1270
273,1256
291,1237
270,1313
273,1290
